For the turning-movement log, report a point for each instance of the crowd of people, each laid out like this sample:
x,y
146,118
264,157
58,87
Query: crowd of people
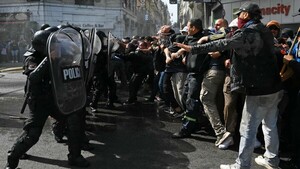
x,y
12,51
243,74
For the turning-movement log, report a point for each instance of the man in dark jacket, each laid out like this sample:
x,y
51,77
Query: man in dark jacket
x,y
142,65
191,91
254,71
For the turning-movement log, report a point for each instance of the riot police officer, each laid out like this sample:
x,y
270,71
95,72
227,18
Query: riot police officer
x,y
103,81
41,105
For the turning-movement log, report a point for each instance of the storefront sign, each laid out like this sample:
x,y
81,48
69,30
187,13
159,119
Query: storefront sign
x,y
279,9
92,25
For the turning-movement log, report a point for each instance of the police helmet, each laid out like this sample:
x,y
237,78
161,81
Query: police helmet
x,y
102,37
52,28
44,26
39,41
62,26
101,34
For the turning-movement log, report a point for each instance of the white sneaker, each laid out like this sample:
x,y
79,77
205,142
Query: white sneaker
x,y
229,166
260,160
257,144
221,139
228,142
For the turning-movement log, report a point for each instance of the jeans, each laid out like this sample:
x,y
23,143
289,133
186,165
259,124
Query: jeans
x,y
168,90
15,55
190,96
160,83
259,109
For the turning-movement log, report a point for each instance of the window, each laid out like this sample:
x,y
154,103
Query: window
x,y
84,2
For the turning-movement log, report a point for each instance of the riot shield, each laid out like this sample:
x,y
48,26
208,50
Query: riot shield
x,y
96,46
87,48
65,50
112,46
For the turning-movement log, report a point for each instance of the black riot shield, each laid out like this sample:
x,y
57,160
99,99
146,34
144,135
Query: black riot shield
x,y
96,46
65,50
87,48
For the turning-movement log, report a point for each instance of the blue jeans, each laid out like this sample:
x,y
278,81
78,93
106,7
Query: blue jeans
x,y
259,109
160,82
190,96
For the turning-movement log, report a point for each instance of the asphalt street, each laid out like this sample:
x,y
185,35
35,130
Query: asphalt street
x,y
126,137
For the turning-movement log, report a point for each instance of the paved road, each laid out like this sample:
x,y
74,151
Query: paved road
x,y
134,137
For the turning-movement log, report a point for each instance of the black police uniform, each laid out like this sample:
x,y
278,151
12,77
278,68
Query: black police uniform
x,y
102,81
41,105
142,66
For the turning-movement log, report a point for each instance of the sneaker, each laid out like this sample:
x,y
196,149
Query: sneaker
x,y
228,142
222,138
229,166
260,160
169,111
181,134
178,115
12,162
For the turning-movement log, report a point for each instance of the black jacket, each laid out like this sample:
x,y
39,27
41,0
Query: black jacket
x,y
141,62
196,62
254,67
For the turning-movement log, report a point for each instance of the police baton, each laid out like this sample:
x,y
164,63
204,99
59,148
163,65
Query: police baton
x,y
24,104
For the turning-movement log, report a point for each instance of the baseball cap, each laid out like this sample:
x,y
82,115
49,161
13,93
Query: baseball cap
x,y
249,7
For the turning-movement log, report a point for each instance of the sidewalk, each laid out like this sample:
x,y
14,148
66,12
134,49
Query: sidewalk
x,y
8,66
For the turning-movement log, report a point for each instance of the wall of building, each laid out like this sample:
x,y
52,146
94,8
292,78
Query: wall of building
x,y
117,16
204,11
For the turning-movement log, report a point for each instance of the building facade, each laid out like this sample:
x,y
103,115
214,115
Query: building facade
x,y
121,17
209,10
280,10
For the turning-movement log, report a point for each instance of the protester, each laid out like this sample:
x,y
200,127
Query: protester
x,y
255,73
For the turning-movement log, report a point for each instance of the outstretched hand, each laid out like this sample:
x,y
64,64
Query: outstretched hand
x,y
187,48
